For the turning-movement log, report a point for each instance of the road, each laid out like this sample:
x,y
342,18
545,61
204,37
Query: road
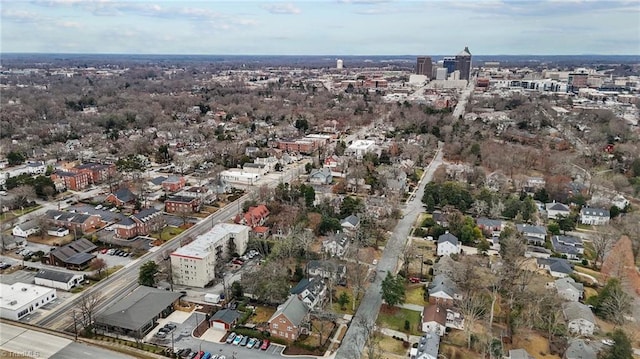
x,y
462,101
356,336
125,280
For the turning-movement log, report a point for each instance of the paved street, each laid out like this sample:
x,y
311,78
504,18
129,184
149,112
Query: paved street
x,y
356,336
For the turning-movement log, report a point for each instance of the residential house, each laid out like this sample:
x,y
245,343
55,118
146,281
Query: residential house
x,y
580,319
568,245
335,245
269,163
204,194
255,216
434,319
97,172
446,265
440,218
320,176
71,180
443,291
75,255
174,183
77,222
288,320
492,227
568,289
557,267
155,184
556,210
224,319
395,180
336,165
138,312
58,231
594,216
326,269
142,223
428,347
181,204
448,244
59,280
122,197
350,224
311,291
535,235
26,229
580,349
519,354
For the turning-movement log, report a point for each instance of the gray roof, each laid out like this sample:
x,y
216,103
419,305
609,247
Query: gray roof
x,y
598,212
524,228
158,180
28,225
76,252
448,237
576,310
428,346
138,308
323,172
144,214
56,276
294,309
559,265
226,316
125,195
561,244
487,222
465,52
71,217
556,206
519,354
352,219
563,284
579,349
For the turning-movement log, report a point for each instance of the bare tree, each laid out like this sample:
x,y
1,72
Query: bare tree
x,y
602,241
549,311
98,265
23,195
87,306
617,305
473,307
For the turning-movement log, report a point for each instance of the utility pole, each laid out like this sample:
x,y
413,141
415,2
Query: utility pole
x,y
75,325
421,263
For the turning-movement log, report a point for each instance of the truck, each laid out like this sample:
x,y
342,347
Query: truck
x,y
212,298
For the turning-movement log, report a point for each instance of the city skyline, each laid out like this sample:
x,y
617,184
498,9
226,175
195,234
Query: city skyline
x,y
344,27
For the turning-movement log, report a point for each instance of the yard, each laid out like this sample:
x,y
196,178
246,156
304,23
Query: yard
x,y
414,294
51,240
392,346
262,314
320,330
394,318
7,216
167,233
590,272
535,344
349,306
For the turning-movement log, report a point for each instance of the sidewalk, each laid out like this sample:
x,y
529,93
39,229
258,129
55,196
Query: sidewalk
x,y
414,307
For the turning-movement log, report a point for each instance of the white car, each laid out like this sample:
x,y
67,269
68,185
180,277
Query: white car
x,y
375,262
609,342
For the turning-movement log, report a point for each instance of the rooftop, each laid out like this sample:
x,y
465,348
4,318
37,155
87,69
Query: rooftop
x,y
202,246
16,295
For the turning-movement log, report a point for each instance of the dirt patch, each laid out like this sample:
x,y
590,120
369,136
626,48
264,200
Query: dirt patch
x,y
51,240
262,314
535,344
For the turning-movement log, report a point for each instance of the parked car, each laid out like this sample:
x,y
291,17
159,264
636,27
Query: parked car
x,y
265,344
5,265
258,344
103,250
160,334
231,337
414,279
251,343
244,341
170,326
237,340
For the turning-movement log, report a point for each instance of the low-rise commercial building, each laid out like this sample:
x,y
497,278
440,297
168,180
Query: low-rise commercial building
x,y
21,299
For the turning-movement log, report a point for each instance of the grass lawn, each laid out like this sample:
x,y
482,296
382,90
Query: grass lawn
x,y
17,213
390,345
422,217
415,294
167,233
589,292
262,314
584,227
589,271
452,351
396,319
349,306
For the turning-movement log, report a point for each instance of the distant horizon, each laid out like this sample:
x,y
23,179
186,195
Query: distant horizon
x,y
311,27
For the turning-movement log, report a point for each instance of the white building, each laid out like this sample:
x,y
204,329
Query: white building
x,y
339,64
19,299
60,280
194,264
360,147
448,244
594,216
26,229
580,319
236,176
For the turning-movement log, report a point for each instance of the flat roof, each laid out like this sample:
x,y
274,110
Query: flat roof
x,y
13,296
204,243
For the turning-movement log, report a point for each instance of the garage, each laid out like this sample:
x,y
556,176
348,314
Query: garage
x,y
224,319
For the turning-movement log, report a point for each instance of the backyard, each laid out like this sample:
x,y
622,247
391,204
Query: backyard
x,y
394,318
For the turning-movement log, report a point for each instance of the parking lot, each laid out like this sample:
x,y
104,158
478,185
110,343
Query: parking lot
x,y
105,214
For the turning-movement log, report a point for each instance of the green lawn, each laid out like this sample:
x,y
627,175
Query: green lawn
x,y
167,233
336,307
396,320
415,294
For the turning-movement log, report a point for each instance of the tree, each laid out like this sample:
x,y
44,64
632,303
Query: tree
x,y
87,306
612,303
98,265
621,348
473,308
392,289
602,241
23,195
237,292
343,300
15,158
147,274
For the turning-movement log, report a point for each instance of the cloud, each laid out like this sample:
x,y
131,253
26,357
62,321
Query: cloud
x,y
362,2
282,9
69,24
20,16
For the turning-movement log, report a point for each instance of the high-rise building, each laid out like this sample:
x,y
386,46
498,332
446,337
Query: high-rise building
x,y
463,63
449,63
339,64
424,66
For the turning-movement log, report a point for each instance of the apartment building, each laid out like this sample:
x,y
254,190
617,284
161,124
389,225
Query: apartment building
x,y
194,264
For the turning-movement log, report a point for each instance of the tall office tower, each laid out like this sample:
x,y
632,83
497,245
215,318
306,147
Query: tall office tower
x,y
424,66
449,63
339,64
463,64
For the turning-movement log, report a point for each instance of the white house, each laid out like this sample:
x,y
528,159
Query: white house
x,y
594,216
580,319
568,289
320,176
26,229
448,244
21,299
556,210
59,280
194,264
360,147
58,231
534,234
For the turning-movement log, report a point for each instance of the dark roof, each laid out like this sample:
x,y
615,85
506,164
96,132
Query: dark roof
x,y
599,212
125,195
80,258
138,308
559,265
56,276
181,199
299,288
294,309
158,180
524,228
92,166
68,253
144,214
67,216
448,237
487,222
126,221
226,316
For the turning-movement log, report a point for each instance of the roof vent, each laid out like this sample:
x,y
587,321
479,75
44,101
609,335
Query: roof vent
x,y
24,289
13,302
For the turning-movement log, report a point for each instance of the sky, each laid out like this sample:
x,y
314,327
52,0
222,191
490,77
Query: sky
x,y
329,27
